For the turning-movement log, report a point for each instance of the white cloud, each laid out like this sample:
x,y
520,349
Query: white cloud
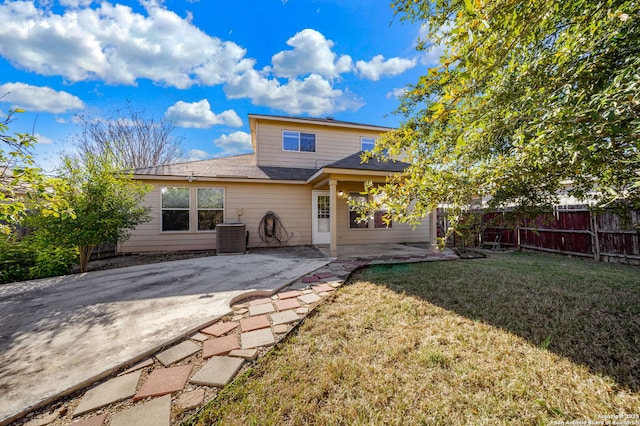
x,y
39,98
234,143
378,67
200,116
311,54
397,92
75,3
198,154
43,139
431,56
117,45
313,95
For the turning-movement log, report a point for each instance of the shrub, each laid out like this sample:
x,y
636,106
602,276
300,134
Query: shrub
x,y
50,259
33,257
16,258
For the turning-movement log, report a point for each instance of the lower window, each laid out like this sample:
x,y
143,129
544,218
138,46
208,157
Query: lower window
x,y
175,209
378,220
177,206
175,220
210,208
208,219
378,217
354,215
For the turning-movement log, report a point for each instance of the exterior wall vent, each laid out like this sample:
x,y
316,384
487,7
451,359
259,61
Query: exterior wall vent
x,y
231,238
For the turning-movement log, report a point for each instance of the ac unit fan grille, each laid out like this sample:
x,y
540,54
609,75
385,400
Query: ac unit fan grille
x,y
230,238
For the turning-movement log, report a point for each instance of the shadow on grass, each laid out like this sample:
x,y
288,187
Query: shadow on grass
x,y
585,311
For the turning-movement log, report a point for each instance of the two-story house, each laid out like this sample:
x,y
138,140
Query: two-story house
x,y
302,169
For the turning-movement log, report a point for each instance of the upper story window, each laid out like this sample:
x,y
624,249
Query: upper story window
x,y
298,141
367,144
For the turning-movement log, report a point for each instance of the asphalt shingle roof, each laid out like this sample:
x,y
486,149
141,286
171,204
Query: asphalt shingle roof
x,y
354,162
320,120
239,166
245,167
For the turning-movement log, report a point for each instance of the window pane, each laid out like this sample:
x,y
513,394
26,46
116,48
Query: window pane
x,y
353,221
307,142
378,220
354,214
177,198
208,219
367,144
175,220
290,141
210,198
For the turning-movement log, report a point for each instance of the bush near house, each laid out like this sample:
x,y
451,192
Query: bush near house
x,y
33,257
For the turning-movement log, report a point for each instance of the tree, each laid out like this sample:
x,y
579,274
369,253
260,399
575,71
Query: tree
x,y
131,137
530,98
107,203
23,186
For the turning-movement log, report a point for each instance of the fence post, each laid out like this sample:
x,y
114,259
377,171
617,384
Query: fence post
x,y
595,239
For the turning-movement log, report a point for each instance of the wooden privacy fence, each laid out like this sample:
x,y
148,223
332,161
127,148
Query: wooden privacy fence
x,y
601,235
104,250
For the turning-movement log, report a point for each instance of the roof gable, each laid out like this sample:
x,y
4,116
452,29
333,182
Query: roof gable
x,y
354,162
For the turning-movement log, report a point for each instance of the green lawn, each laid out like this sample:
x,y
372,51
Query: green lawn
x,y
515,338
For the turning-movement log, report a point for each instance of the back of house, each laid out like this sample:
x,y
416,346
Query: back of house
x,y
295,183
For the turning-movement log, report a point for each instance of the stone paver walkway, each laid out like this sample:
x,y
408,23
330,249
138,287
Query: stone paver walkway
x,y
182,377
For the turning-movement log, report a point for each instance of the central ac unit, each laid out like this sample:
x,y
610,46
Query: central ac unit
x,y
231,238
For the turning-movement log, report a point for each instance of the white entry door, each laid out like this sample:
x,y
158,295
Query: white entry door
x,y
321,220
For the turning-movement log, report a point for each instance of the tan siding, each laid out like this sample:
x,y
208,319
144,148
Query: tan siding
x,y
292,203
332,144
398,233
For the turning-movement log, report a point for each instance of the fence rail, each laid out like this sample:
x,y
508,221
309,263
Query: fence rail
x,y
602,235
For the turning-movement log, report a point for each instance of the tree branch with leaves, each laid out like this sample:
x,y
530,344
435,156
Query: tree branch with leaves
x,y
107,203
23,186
531,98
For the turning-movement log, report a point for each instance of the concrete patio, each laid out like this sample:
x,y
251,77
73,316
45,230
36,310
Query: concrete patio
x,y
370,251
66,333
61,334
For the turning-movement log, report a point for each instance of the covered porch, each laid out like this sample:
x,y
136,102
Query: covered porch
x,y
333,224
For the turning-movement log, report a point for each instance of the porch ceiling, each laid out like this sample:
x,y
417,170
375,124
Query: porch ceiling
x,y
322,177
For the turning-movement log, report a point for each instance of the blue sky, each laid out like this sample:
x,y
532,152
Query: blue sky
x,y
204,65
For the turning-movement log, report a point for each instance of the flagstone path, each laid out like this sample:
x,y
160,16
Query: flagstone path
x,y
178,380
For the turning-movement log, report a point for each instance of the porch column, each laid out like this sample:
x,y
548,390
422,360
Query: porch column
x,y
433,230
333,214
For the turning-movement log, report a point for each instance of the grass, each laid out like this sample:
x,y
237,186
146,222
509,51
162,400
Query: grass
x,y
520,338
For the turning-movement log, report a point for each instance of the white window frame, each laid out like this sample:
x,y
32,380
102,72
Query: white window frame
x,y
315,141
371,221
381,212
351,210
163,209
193,209
198,209
368,140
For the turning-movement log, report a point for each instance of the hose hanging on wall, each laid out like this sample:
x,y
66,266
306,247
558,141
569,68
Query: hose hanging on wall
x,y
272,231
